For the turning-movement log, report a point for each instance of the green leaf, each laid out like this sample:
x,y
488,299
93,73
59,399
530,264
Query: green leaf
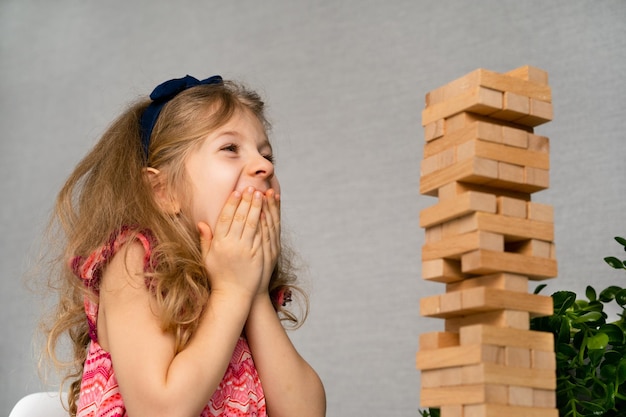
x,y
562,301
595,357
620,298
621,372
590,292
612,357
608,294
564,334
614,262
615,333
591,406
599,341
608,371
539,288
621,241
588,317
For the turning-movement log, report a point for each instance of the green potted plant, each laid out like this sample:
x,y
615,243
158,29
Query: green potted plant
x,y
590,349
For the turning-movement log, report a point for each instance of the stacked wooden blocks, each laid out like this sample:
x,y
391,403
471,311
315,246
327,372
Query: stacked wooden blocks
x,y
485,239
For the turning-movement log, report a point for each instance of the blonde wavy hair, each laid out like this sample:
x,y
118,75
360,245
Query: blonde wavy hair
x,y
108,190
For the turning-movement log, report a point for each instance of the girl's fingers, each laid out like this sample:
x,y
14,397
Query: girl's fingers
x,y
273,209
206,237
227,214
248,215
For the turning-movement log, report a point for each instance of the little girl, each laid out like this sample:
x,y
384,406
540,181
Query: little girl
x,y
173,286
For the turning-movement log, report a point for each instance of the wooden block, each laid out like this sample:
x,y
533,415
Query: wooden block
x,y
456,356
498,318
438,340
444,377
429,164
536,177
434,130
532,247
442,270
483,299
521,396
464,119
540,212
474,170
538,143
478,99
503,281
459,226
517,357
456,246
454,188
542,359
516,137
480,171
433,233
430,306
463,394
502,336
511,173
544,398
489,373
489,299
514,106
438,161
461,120
500,410
451,302
483,262
453,410
511,82
503,153
477,130
512,207
530,73
513,228
459,206
540,112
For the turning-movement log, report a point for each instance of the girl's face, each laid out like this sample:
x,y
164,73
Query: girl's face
x,y
236,156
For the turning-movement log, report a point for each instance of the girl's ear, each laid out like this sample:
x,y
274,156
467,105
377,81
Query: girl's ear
x,y
168,203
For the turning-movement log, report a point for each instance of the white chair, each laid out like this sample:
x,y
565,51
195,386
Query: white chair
x,y
40,404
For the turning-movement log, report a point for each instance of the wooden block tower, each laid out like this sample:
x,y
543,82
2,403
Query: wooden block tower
x,y
485,239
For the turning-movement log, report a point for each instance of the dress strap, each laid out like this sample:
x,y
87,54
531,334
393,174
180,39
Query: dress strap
x,y
89,269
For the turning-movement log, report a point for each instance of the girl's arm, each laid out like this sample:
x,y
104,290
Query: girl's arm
x,y
154,379
291,386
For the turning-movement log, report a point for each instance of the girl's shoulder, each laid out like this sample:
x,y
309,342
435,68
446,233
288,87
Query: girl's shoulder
x,y
89,268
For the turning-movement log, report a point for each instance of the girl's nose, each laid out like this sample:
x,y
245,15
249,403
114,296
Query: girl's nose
x,y
262,167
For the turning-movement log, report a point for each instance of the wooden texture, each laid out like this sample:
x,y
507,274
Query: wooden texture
x,y
492,335
483,299
458,206
438,340
485,239
464,394
481,171
501,410
483,262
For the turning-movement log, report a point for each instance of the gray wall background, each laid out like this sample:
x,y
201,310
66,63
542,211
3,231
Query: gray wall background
x,y
345,83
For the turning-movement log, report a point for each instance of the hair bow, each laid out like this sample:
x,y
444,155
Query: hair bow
x,y
163,93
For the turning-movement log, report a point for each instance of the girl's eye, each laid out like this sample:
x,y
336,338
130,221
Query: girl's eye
x,y
269,157
231,148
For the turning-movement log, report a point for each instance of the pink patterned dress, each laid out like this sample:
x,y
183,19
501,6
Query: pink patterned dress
x,y
239,394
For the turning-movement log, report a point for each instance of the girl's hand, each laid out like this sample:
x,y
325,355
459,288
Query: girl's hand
x,y
234,253
270,226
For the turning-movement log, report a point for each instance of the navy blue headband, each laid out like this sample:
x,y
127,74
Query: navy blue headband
x,y
160,96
